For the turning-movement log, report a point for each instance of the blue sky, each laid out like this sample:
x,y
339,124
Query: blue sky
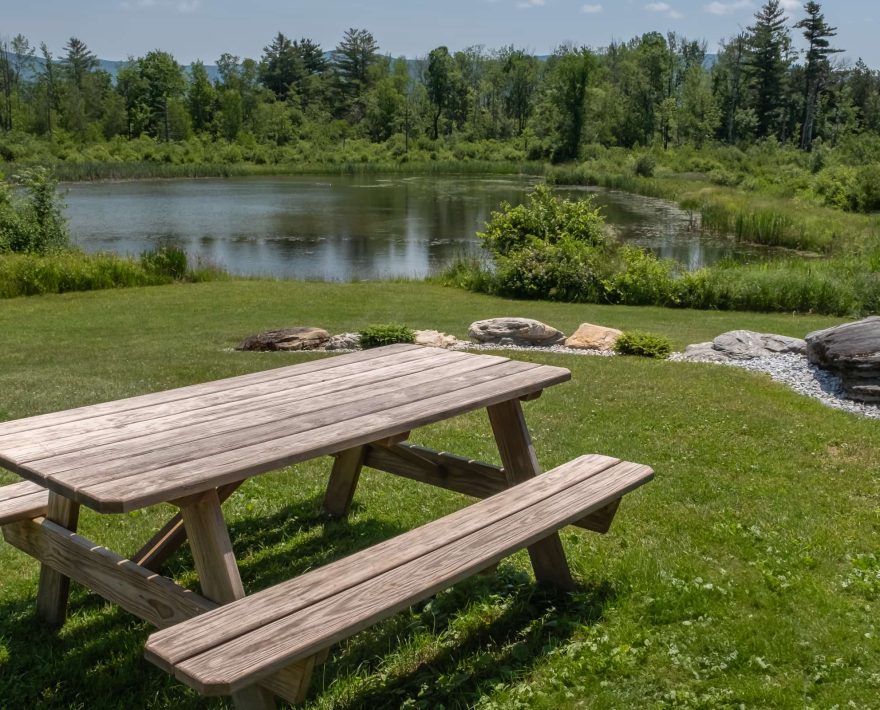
x,y
193,29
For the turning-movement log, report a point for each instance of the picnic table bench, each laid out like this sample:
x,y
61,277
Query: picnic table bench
x,y
194,446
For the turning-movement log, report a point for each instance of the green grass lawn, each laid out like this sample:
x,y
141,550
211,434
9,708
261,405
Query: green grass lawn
x,y
744,575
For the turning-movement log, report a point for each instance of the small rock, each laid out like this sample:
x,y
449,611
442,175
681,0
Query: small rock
x,y
515,331
852,351
301,338
593,337
344,341
435,339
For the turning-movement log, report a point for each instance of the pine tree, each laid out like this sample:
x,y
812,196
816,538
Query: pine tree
x,y
768,60
816,32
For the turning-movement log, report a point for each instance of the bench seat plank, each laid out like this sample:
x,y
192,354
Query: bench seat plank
x,y
22,501
324,609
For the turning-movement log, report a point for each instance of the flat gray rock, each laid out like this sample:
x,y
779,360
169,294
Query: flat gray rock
x,y
344,341
301,338
852,351
743,345
515,331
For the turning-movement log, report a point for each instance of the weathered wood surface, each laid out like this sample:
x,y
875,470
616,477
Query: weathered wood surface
x,y
151,454
343,481
220,581
21,501
520,465
147,595
241,643
462,475
54,587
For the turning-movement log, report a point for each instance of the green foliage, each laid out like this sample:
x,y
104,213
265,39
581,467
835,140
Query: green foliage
x,y
645,165
33,223
643,344
374,336
170,261
546,219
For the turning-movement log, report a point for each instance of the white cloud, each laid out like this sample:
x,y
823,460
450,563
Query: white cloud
x,y
591,9
727,8
181,6
531,3
664,8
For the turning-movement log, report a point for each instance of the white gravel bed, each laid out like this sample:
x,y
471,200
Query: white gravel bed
x,y
804,378
561,349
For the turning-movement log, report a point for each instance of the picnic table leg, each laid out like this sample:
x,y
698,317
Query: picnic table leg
x,y
218,573
171,536
520,464
343,481
221,582
54,587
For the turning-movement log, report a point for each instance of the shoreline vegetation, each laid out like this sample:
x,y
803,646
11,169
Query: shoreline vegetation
x,y
756,208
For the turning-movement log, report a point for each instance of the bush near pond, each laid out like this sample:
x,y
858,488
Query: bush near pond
x,y
559,250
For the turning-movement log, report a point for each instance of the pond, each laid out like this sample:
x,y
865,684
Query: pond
x,y
346,228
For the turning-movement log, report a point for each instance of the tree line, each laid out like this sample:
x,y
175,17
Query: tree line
x,y
653,89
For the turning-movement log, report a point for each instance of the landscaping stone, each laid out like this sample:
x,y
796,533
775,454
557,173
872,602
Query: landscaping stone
x,y
435,339
344,341
852,351
593,337
515,331
301,338
743,345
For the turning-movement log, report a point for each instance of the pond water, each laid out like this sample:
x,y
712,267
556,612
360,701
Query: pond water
x,y
346,228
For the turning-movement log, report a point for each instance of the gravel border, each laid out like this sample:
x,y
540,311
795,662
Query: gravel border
x,y
803,377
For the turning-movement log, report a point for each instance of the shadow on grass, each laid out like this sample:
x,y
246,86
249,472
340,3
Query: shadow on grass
x,y
448,650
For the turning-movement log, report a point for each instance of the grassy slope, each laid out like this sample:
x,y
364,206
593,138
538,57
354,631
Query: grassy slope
x,y
720,583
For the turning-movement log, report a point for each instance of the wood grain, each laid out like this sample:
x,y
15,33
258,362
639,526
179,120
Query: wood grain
x,y
520,465
54,587
147,595
343,481
20,501
268,605
244,658
197,391
143,486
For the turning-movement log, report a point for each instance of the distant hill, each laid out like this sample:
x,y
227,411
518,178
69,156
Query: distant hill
x,y
112,67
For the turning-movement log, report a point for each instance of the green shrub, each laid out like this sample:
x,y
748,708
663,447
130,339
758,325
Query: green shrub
x,y
374,336
168,261
32,223
638,342
645,165
546,218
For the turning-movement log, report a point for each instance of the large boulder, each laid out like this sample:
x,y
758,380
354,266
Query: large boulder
x,y
302,338
515,331
852,351
743,345
593,337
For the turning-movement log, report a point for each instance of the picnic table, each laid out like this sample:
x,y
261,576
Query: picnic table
x,y
194,446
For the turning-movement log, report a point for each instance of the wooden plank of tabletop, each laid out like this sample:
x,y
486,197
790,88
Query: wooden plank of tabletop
x,y
145,487
282,395
193,637
191,441
198,390
237,389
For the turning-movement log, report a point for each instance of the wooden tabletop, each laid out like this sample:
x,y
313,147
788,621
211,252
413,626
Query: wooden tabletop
x,y
123,455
